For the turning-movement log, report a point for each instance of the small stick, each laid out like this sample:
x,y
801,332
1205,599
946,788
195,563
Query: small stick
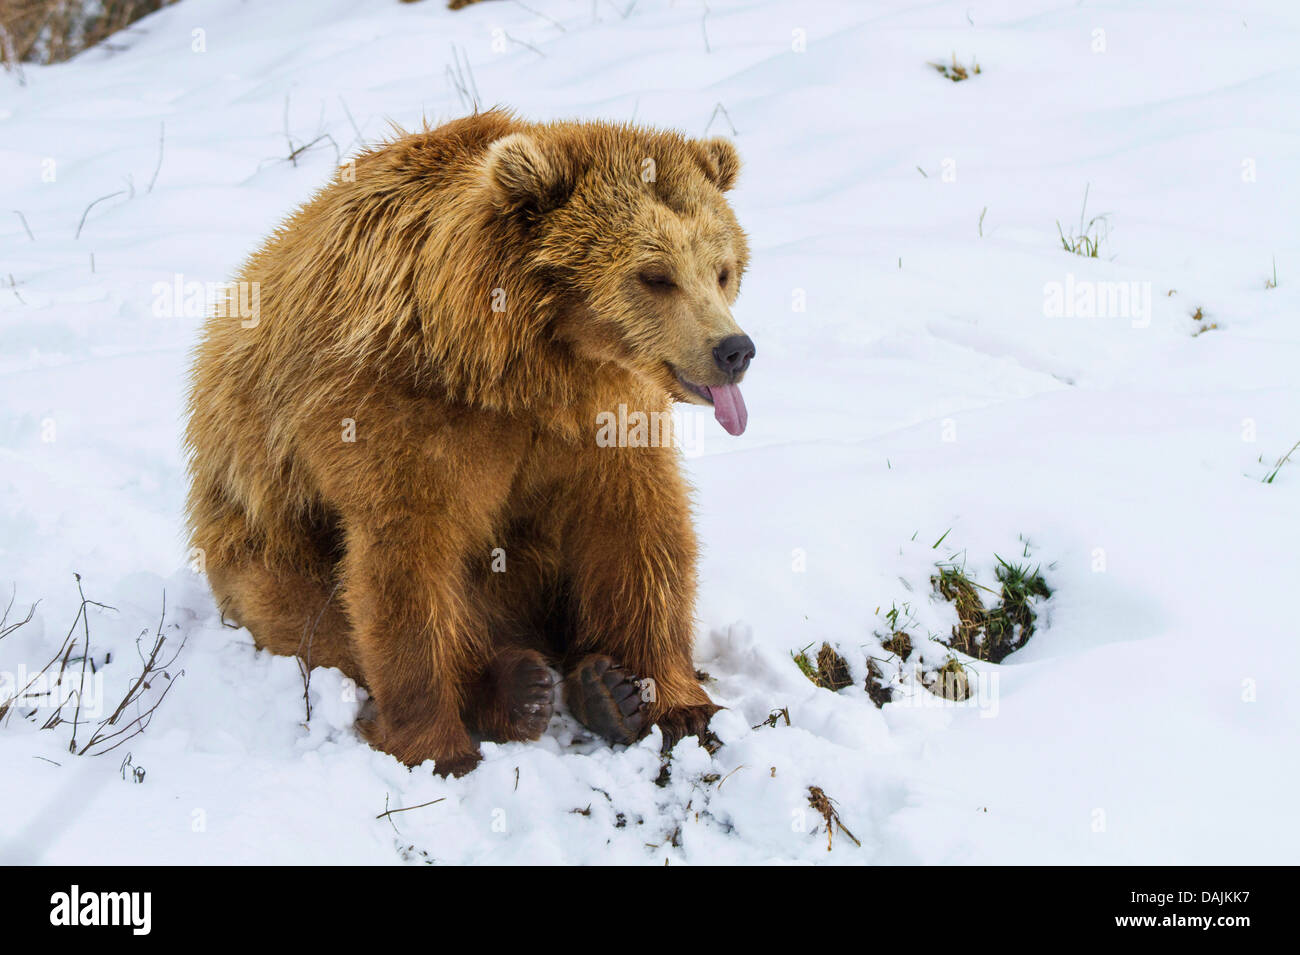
x,y
82,223
162,131
725,115
26,227
555,22
524,43
355,128
389,812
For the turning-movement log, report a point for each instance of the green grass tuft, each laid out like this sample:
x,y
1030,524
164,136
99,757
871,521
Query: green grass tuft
x,y
1272,475
992,633
1087,241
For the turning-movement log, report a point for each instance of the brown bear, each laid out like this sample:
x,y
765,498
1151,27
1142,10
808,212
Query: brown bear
x,y
393,458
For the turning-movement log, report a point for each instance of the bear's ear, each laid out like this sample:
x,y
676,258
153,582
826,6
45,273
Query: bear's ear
x,y
523,175
720,161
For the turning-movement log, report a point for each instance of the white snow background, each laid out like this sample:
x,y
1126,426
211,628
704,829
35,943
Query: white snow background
x,y
911,380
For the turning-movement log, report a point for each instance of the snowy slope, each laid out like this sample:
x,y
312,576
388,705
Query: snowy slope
x,y
913,379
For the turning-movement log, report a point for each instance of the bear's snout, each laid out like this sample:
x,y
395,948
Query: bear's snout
x,y
734,353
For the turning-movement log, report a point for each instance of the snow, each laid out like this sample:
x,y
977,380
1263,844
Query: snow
x,y
910,381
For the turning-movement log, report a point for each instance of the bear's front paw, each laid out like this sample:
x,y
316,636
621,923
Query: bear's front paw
x,y
515,698
606,698
681,721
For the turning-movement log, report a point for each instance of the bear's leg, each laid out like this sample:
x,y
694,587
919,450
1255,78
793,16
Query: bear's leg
x,y
513,698
632,553
418,497
287,612
416,639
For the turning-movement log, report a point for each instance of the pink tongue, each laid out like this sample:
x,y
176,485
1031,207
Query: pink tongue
x,y
729,408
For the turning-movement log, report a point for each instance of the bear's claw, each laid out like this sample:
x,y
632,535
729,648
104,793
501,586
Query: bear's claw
x,y
606,698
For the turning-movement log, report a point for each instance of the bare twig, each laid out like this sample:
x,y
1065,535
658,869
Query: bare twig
x,y
356,130
82,223
85,655
720,109
293,156
304,658
151,669
162,132
390,812
13,594
26,227
285,125
461,77
64,651
554,22
523,43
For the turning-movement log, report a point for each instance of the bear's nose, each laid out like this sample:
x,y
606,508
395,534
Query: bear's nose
x,y
733,353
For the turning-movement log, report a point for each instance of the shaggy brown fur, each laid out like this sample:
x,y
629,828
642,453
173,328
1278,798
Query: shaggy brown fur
x,y
470,301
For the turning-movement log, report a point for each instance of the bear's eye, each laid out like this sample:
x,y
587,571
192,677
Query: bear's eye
x,y
723,277
659,281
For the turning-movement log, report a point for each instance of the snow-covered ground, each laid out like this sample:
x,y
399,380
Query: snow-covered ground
x,y
927,364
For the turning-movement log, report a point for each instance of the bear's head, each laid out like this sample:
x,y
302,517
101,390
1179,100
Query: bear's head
x,y
633,225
